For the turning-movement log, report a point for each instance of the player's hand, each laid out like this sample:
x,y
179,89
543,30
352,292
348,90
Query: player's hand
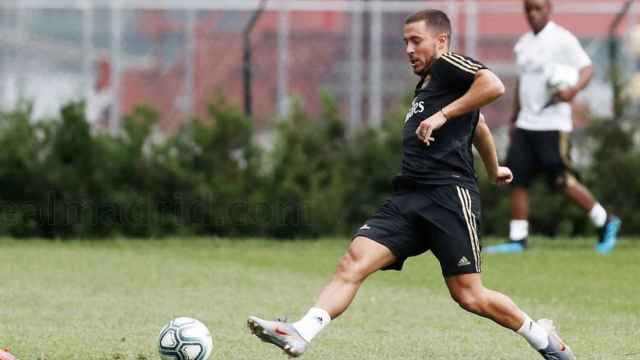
x,y
567,94
428,126
502,176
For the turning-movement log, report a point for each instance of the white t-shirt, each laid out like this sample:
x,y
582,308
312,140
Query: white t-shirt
x,y
535,54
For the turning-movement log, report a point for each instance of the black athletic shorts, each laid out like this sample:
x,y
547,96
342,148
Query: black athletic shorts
x,y
444,219
535,152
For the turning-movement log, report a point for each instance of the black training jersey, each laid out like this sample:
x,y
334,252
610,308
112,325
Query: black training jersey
x,y
448,160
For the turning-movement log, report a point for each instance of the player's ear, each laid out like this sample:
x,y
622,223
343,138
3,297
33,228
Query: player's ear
x,y
442,41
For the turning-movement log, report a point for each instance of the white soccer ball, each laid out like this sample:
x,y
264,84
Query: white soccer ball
x,y
560,77
185,339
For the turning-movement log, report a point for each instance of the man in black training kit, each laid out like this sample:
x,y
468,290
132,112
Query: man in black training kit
x,y
435,204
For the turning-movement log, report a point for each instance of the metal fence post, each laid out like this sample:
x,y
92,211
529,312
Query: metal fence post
x,y
471,30
375,66
452,10
20,59
355,58
190,33
116,61
87,48
283,62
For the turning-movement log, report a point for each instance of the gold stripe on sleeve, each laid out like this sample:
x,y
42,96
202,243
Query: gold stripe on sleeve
x,y
465,60
458,65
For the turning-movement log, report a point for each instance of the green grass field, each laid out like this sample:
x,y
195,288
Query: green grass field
x,y
108,300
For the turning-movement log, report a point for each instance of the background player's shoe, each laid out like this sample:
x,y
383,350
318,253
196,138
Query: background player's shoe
x,y
609,234
557,349
280,334
511,246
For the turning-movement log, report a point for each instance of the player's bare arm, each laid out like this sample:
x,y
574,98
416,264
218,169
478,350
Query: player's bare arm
x,y
483,142
486,88
586,73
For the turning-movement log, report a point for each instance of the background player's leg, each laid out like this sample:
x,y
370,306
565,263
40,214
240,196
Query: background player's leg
x,y
578,193
518,226
557,161
519,203
522,161
467,290
609,225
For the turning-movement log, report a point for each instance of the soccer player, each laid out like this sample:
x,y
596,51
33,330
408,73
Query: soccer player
x,y
540,140
435,205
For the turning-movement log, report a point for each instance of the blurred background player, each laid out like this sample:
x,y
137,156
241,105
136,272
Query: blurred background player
x,y
542,124
435,205
100,99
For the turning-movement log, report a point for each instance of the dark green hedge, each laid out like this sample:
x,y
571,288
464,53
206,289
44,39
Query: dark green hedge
x,y
58,179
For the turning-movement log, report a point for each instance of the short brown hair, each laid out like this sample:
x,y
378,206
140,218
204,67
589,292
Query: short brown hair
x,y
435,19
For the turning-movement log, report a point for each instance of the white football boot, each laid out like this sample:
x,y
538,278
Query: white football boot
x,y
557,349
280,334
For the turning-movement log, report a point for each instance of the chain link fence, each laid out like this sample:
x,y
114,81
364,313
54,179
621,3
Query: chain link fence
x,y
177,55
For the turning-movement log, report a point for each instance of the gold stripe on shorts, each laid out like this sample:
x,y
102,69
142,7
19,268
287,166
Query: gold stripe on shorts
x,y
474,226
469,217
